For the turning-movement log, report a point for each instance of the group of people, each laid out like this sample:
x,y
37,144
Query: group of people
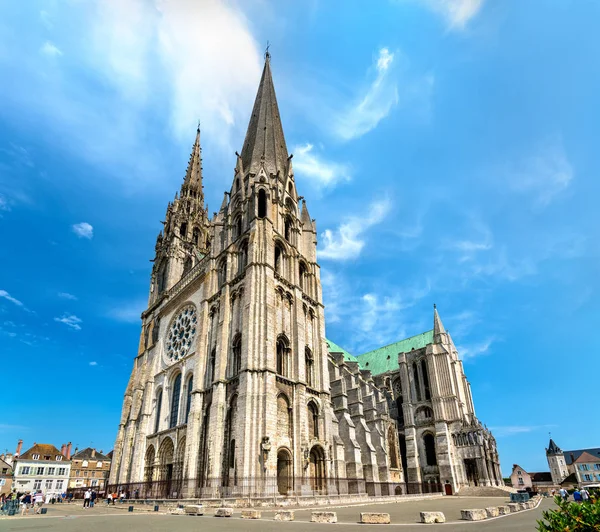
x,y
27,501
89,498
579,495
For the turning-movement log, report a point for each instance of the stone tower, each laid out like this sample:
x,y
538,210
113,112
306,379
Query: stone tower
x,y
230,391
556,463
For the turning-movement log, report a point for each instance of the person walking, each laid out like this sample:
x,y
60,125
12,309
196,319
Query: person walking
x,y
577,496
585,495
108,498
564,494
25,503
93,498
38,499
86,498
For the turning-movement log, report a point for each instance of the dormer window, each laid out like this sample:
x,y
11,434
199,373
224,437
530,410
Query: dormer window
x,y
36,456
59,458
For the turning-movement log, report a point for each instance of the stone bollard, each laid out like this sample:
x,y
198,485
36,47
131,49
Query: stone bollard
x,y
433,517
223,512
284,515
194,509
513,507
523,505
503,510
177,511
323,517
373,518
473,515
250,514
492,511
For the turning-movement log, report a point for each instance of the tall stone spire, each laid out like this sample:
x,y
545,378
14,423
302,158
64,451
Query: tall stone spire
x,y
264,142
438,326
193,175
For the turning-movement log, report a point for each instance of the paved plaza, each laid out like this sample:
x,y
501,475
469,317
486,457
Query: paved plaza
x,y
404,515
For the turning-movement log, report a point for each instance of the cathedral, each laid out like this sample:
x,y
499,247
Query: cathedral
x,y
235,390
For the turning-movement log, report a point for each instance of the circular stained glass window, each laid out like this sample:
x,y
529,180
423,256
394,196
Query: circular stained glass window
x,y
182,333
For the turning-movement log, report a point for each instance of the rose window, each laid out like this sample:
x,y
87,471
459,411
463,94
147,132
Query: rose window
x,y
182,333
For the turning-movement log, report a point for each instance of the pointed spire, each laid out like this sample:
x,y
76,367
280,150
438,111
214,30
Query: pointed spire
x,y
553,448
438,326
305,217
193,175
264,142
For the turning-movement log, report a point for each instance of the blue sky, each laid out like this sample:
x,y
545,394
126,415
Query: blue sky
x,y
446,148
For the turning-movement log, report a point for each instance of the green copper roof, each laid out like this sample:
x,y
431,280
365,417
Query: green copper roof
x,y
385,359
334,348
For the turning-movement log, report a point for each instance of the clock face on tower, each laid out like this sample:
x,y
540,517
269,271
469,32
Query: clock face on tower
x,y
182,333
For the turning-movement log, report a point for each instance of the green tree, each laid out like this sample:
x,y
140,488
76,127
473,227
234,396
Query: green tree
x,y
572,517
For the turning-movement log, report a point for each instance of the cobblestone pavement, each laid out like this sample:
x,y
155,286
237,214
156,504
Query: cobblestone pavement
x,y
404,516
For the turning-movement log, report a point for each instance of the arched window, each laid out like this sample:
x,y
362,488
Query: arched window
x,y
175,401
183,230
309,362
222,272
425,379
232,454
278,259
196,235
188,403
399,401
288,228
236,355
210,371
429,443
417,384
161,278
313,421
284,414
302,276
282,356
262,203
237,184
158,409
238,227
393,449
243,256
155,330
187,265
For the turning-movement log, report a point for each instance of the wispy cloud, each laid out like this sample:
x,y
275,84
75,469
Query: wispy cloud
x,y
6,427
322,174
128,312
70,320
93,363
347,241
66,295
469,352
5,295
513,430
4,206
83,230
456,13
545,174
50,49
374,105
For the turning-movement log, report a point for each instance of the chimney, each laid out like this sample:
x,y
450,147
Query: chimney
x,y
63,449
93,453
69,447
19,447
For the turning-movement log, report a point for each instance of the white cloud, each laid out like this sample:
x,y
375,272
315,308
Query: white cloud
x,y
320,173
347,241
128,312
46,19
4,204
545,174
66,295
83,230
70,320
50,49
512,430
469,352
5,295
456,13
374,105
93,363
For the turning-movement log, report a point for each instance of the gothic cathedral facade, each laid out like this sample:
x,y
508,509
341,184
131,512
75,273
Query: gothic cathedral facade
x,y
235,389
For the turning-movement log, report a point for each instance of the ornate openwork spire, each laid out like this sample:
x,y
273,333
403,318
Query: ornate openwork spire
x,y
193,175
264,143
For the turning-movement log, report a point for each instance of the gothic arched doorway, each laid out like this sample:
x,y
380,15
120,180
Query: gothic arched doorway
x,y
165,464
284,472
316,469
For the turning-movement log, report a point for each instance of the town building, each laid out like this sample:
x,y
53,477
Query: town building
x,y
532,481
581,466
42,467
235,391
89,468
6,474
